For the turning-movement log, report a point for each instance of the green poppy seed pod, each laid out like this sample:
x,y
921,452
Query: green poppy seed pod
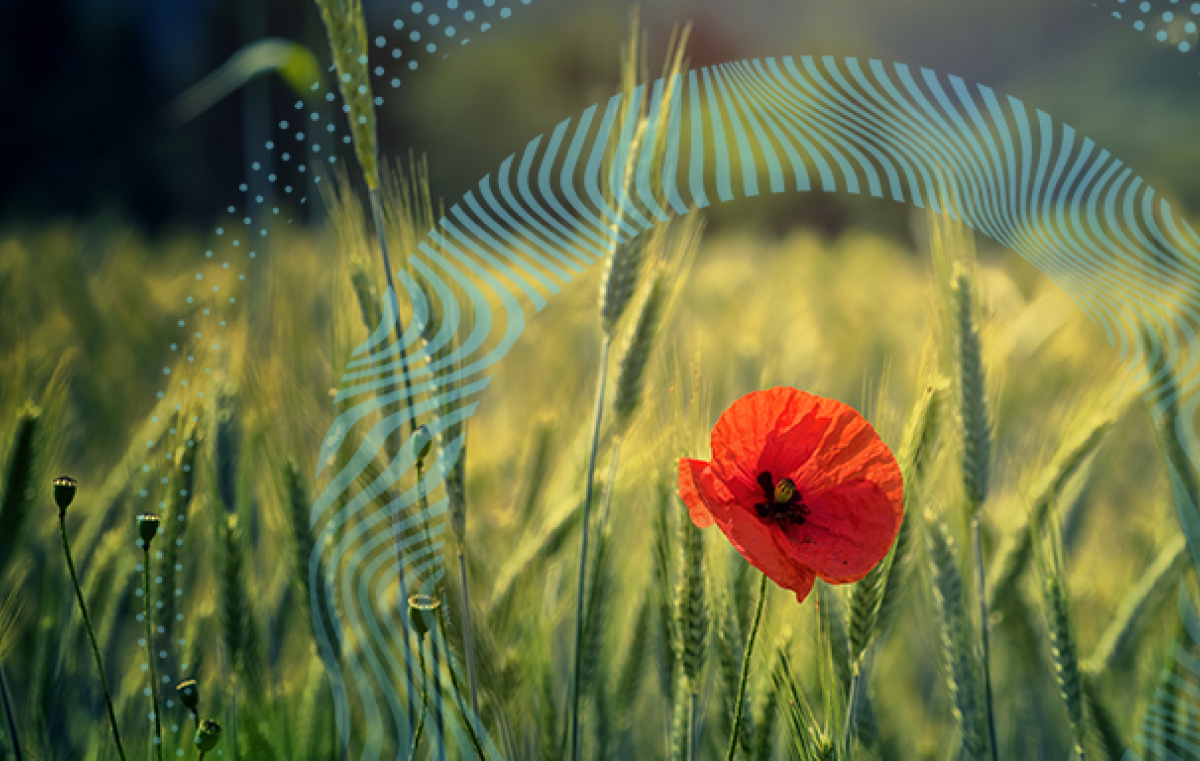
x,y
207,735
423,441
147,527
189,694
422,608
64,492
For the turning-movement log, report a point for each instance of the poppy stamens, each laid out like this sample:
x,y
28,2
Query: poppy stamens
x,y
784,504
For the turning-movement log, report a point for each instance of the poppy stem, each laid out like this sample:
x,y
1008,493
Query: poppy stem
x,y
150,653
87,624
583,548
981,593
741,696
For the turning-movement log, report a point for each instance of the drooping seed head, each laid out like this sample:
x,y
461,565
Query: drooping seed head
x,y
64,492
421,608
147,527
189,694
207,735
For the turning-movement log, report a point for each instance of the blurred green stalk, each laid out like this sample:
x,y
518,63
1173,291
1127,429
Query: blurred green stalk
x,y
150,651
573,726
87,624
981,593
741,694
8,715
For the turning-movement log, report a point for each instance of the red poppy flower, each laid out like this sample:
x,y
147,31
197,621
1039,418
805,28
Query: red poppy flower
x,y
801,485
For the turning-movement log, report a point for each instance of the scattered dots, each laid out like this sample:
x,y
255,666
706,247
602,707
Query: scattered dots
x,y
414,36
362,59
299,105
489,3
452,4
434,20
362,89
1195,8
505,13
378,100
397,24
300,136
1189,27
379,71
449,31
271,177
1168,16
469,15
486,26
417,7
1162,35
412,64
1144,7
315,116
256,166
395,82
396,53
1139,25
1184,46
346,78
283,125
380,41
431,48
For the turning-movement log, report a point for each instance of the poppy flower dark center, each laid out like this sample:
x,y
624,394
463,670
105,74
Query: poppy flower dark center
x,y
783,501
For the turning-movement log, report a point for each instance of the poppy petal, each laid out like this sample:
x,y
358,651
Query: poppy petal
x,y
689,491
776,430
849,530
753,538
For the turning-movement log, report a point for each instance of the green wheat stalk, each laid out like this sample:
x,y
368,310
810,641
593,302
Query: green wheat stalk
x,y
691,620
957,641
1120,637
1063,650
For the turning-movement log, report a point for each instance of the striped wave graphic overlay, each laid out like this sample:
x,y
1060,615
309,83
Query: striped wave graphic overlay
x,y
1086,220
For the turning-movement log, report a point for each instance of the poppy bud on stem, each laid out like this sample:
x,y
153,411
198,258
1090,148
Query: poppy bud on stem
x,y
207,736
148,524
64,493
420,609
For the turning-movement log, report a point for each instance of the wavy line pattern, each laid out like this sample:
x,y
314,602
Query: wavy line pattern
x,y
735,129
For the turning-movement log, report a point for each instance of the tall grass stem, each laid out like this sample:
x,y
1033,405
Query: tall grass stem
x,y
87,624
150,652
573,725
981,593
741,696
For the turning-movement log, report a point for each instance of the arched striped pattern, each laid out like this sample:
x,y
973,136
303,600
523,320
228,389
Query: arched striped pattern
x,y
715,134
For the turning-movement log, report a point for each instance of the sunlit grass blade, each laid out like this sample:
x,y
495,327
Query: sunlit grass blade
x,y
1072,460
1123,633
16,503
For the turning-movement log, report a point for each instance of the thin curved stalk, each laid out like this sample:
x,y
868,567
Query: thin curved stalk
x,y
150,651
741,696
981,593
87,624
583,548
